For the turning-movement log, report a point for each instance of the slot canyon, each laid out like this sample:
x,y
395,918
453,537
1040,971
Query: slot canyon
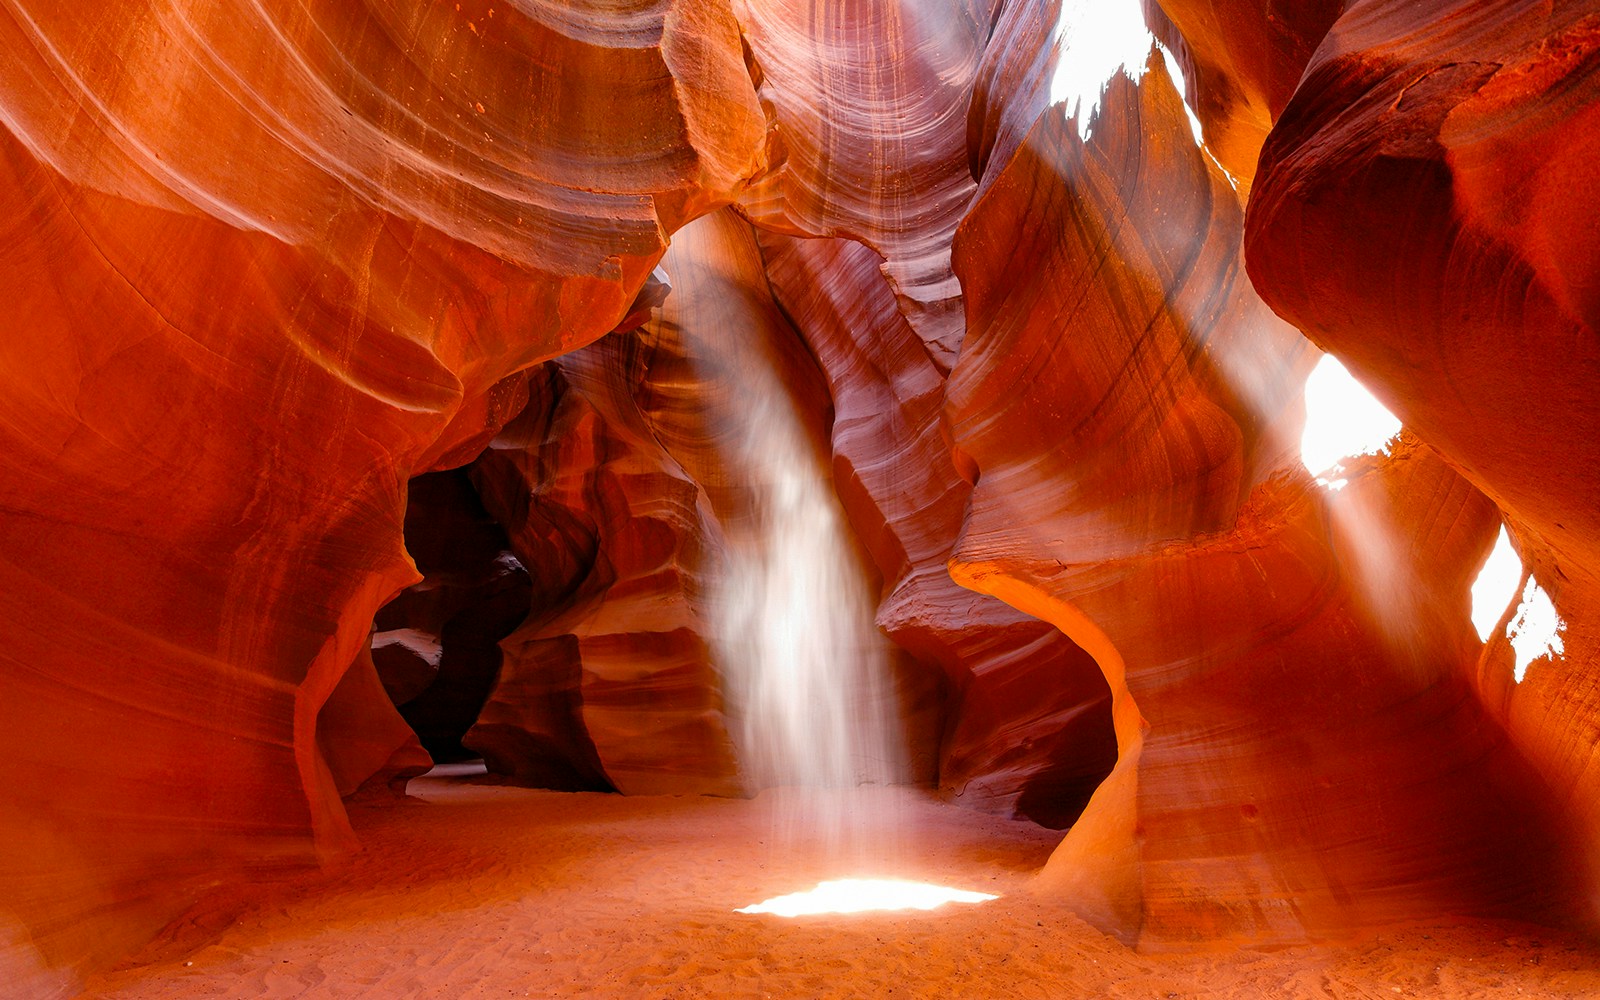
x,y
498,498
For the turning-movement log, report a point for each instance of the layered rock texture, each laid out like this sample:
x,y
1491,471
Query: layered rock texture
x,y
338,352
266,263
1460,151
1173,533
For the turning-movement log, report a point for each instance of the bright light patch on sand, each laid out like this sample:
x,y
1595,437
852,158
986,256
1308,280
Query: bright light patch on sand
x,y
857,895
1343,420
1097,39
1535,628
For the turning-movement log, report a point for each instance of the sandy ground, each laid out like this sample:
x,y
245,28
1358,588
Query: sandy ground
x,y
473,890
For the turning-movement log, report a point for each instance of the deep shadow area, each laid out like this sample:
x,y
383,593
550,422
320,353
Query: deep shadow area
x,y
436,645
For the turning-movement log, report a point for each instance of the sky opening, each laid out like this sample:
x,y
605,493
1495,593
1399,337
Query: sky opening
x,y
1097,39
1343,420
1535,628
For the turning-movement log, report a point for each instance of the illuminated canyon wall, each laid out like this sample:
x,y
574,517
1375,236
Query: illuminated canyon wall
x,y
265,264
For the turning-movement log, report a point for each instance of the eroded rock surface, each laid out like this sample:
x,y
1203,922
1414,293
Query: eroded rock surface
x,y
869,102
629,487
610,681
1435,175
872,167
1028,721
265,258
1242,60
1128,407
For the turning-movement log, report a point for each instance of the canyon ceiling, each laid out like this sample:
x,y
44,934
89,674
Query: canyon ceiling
x,y
263,265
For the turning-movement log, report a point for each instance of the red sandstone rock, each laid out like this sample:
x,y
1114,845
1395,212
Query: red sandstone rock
x,y
609,682
752,390
1028,729
1242,60
361,737
625,491
868,101
1300,753
263,265
870,110
1012,84
257,262
1435,176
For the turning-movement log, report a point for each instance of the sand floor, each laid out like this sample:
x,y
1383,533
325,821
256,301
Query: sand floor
x,y
475,890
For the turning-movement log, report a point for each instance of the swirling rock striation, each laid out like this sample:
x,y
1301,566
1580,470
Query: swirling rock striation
x,y
264,258
1027,728
868,102
1435,175
870,109
1128,408
1242,60
264,264
610,681
628,486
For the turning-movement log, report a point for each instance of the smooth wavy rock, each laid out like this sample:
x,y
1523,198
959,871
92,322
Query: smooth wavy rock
x,y
1294,761
738,399
870,107
1028,726
364,742
1435,177
625,487
255,261
868,102
609,683
1011,87
1242,60
493,140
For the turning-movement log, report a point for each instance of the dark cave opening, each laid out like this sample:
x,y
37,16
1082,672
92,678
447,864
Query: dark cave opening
x,y
436,645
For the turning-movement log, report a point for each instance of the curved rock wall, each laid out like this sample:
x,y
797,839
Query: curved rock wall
x,y
259,261
1027,727
868,102
870,106
1027,720
1128,409
1435,176
1242,60
609,683
626,488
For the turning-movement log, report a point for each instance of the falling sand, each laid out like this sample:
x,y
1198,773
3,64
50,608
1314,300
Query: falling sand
x,y
475,890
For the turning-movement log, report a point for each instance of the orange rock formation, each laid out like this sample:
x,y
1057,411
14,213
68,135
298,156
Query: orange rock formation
x,y
1435,176
265,263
